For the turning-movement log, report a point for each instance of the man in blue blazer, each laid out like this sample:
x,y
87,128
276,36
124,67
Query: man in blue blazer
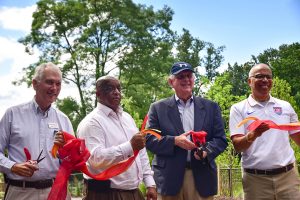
x,y
181,174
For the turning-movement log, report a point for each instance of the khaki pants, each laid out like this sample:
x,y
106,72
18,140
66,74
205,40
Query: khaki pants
x,y
188,190
19,193
284,186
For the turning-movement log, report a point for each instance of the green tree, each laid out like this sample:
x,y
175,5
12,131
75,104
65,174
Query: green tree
x,y
212,60
91,38
199,54
238,76
221,92
281,89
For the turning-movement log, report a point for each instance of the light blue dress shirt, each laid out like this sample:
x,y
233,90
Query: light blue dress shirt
x,y
25,125
186,111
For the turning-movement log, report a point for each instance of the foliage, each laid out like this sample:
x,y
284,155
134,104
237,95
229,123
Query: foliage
x,y
71,108
90,38
199,54
221,92
282,90
238,75
212,60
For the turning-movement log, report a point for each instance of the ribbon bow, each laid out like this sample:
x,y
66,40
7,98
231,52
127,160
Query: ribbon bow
x,y
200,141
74,155
198,137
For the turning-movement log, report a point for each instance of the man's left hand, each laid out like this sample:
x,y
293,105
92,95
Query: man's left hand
x,y
59,138
151,193
204,154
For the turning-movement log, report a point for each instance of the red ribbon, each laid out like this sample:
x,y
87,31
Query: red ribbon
x,y
198,137
270,123
74,155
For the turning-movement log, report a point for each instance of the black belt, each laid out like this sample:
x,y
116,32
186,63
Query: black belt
x,y
270,171
42,184
99,186
188,165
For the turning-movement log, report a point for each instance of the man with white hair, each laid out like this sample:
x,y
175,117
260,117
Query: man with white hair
x,y
34,125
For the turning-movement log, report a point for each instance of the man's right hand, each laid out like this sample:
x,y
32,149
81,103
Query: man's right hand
x,y
252,135
24,169
183,142
138,141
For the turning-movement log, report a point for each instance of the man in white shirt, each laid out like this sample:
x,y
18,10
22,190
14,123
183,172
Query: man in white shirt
x,y
111,136
267,157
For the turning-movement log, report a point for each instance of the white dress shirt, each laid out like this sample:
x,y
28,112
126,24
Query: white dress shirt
x,y
107,135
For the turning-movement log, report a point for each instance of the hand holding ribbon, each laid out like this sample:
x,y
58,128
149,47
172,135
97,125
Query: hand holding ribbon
x,y
200,141
74,155
257,122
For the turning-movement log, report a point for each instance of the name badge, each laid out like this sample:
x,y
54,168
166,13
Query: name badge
x,y
53,125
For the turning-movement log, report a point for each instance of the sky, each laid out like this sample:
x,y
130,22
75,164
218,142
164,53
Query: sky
x,y
244,27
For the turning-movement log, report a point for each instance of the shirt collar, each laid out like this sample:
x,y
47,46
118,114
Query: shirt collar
x,y
179,101
253,102
108,111
38,110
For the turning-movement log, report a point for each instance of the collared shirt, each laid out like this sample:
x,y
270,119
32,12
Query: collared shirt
x,y
107,135
186,111
27,126
272,149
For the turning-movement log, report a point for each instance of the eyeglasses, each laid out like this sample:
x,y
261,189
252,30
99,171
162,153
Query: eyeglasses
x,y
262,76
183,76
110,88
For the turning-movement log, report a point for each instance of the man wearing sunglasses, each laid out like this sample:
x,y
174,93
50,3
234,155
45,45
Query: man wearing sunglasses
x,y
267,157
179,172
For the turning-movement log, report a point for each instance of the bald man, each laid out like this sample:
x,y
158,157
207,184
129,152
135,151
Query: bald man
x,y
268,159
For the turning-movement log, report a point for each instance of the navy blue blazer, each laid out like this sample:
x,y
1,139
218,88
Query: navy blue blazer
x,y
169,160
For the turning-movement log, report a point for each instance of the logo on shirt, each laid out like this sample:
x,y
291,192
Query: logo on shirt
x,y
277,110
250,112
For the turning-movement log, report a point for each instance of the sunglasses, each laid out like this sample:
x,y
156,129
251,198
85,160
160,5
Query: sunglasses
x,y
262,76
183,76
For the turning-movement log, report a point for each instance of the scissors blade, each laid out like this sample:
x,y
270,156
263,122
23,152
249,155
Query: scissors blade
x,y
39,159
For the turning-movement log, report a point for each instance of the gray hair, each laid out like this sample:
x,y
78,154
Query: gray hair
x,y
103,81
39,70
